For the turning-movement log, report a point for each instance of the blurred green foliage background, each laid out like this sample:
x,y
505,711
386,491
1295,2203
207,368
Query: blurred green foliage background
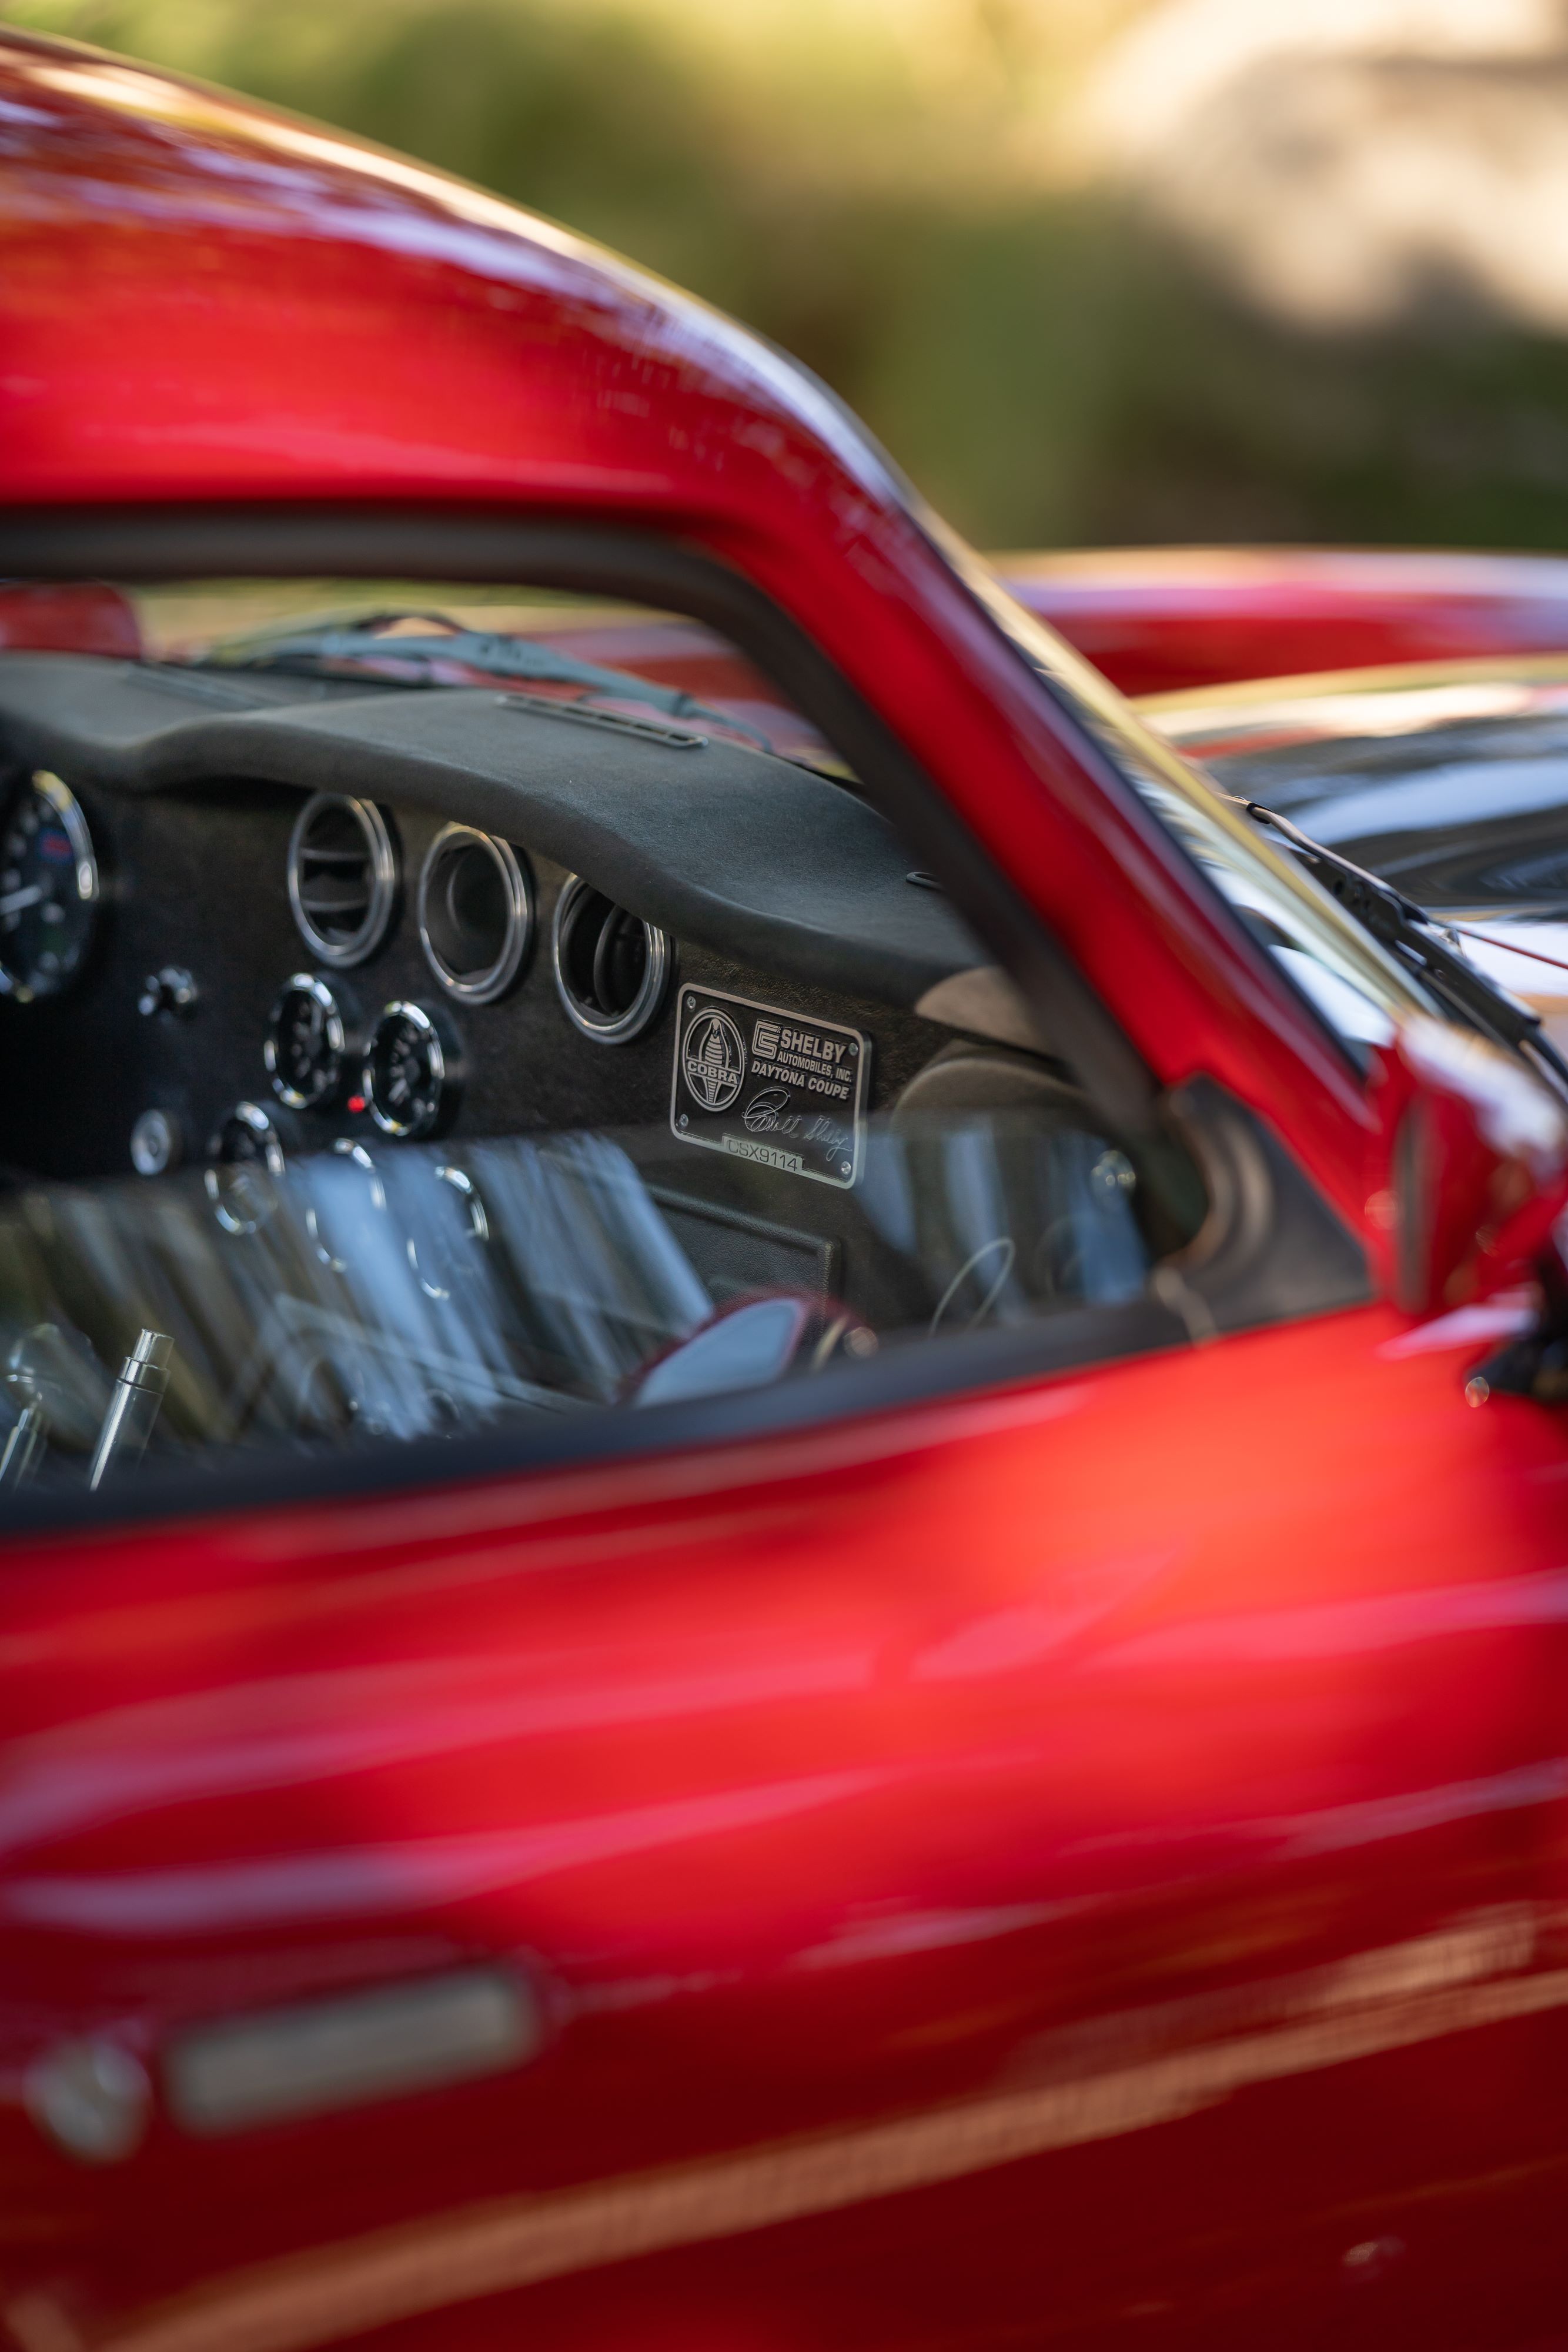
x,y
901,193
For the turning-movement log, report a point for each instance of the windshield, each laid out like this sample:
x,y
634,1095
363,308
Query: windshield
x,y
1357,987
619,658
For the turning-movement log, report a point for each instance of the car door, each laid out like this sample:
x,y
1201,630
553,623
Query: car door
x,y
1074,1857
1074,1862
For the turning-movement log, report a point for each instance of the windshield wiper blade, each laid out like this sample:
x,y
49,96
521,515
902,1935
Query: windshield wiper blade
x,y
1417,939
311,650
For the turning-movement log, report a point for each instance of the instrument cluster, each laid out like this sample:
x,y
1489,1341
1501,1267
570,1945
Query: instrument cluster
x,y
335,1049
475,908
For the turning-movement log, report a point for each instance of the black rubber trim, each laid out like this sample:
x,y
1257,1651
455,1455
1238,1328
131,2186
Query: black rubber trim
x,y
457,543
918,1372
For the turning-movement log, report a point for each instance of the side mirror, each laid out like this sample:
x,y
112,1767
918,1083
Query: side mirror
x,y
1475,1159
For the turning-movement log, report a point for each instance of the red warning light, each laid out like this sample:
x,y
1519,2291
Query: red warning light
x,y
356,1103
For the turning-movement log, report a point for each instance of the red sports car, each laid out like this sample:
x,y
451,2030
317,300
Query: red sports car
x,y
780,1447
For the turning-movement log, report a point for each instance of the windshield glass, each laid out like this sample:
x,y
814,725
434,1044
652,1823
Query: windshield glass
x,y
409,634
1356,987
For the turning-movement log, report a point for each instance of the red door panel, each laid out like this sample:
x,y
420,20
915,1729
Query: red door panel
x,y
1069,1862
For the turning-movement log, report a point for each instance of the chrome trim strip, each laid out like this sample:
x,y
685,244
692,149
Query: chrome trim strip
x,y
316,2056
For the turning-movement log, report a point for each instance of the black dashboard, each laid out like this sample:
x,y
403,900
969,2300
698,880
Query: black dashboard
x,y
247,923
756,877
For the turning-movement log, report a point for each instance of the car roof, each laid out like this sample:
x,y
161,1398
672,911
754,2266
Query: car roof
x,y
206,297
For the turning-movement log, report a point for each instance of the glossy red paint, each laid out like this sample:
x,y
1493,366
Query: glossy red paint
x,y
854,1838
1158,619
280,314
1077,1863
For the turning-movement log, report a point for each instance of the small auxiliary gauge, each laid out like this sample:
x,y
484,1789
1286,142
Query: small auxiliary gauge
x,y
246,1158
308,1044
49,890
411,1079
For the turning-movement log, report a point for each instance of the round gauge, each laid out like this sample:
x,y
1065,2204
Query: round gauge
x,y
246,1157
475,913
337,1212
248,1137
452,1226
307,1044
410,1077
49,890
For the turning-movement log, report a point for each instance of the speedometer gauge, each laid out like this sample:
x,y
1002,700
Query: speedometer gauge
x,y
49,890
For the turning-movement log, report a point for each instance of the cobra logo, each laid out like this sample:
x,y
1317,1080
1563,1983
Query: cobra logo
x,y
713,1059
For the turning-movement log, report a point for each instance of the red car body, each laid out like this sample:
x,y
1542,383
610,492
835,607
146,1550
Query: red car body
x,y
1158,619
1082,1862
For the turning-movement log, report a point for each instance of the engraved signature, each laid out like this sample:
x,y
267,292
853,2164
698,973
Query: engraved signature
x,y
769,1113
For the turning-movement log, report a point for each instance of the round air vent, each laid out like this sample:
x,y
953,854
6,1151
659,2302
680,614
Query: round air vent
x,y
342,878
475,913
611,969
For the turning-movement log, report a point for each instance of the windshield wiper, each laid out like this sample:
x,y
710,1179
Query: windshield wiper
x,y
1418,938
312,652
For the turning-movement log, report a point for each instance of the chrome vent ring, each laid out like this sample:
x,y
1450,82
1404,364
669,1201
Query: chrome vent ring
x,y
475,913
612,969
342,878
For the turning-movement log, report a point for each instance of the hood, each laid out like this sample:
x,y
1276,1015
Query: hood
x,y
1449,781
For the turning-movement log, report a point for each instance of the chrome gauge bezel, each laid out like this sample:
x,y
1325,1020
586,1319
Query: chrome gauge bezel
x,y
618,1029
478,1234
227,1195
444,1070
344,1147
44,785
486,986
307,983
382,906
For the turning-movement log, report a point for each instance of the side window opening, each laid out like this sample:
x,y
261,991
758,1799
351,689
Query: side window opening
x,y
494,1015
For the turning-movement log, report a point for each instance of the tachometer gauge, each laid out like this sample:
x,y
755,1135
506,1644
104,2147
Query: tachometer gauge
x,y
410,1074
49,890
307,1044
